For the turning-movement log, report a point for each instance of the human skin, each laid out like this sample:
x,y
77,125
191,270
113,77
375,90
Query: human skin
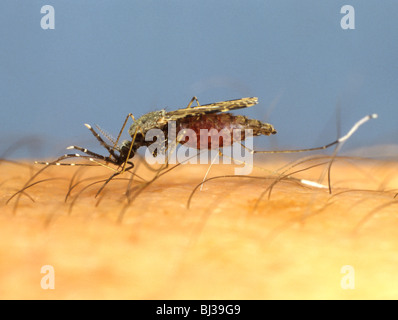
x,y
233,242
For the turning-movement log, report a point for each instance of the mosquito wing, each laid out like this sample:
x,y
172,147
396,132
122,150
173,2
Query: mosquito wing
x,y
223,106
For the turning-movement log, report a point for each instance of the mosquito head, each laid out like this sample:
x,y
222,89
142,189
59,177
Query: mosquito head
x,y
126,151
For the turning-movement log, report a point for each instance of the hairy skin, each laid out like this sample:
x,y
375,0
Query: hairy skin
x,y
292,246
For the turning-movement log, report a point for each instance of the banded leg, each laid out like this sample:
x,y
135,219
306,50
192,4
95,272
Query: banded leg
x,y
93,154
340,140
67,156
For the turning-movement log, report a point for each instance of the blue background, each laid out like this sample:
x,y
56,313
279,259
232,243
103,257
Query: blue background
x,y
105,59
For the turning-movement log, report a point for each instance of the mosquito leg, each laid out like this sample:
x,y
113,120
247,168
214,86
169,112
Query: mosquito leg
x,y
340,140
339,143
58,163
172,147
96,155
208,170
129,153
130,115
74,155
192,100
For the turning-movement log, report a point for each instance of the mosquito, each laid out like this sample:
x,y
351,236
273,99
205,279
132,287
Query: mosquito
x,y
209,116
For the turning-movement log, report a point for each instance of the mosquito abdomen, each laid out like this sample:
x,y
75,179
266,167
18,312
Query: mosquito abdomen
x,y
223,130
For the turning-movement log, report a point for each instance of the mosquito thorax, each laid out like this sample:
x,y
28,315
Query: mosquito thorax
x,y
151,120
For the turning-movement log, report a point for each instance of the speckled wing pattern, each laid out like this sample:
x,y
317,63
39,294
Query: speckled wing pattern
x,y
223,106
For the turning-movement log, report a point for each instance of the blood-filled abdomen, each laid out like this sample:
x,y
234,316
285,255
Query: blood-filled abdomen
x,y
211,131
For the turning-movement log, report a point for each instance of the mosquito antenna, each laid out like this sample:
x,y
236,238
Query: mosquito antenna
x,y
107,135
101,141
